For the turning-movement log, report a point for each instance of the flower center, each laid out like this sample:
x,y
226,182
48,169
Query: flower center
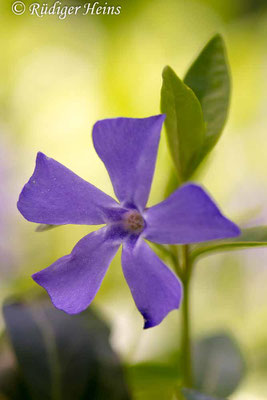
x,y
133,221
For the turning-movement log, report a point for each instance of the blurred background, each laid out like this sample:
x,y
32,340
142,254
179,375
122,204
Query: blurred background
x,y
58,77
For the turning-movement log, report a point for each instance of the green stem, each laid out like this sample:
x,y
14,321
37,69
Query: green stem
x,y
175,260
185,334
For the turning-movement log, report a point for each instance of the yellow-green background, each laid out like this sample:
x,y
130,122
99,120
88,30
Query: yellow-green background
x,y
58,77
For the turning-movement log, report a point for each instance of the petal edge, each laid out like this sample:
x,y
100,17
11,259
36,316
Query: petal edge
x,y
55,195
155,288
128,147
188,215
73,280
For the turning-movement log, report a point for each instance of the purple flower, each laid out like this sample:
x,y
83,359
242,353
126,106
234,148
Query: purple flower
x,y
55,195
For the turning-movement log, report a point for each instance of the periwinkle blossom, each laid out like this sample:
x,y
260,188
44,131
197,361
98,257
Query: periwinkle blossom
x,y
55,195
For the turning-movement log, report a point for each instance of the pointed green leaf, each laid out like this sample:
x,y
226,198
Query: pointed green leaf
x,y
184,123
209,78
250,237
219,366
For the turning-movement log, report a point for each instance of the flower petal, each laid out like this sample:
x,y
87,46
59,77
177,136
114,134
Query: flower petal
x,y
55,195
73,280
155,288
128,147
189,215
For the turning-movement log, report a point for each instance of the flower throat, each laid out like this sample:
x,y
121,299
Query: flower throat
x,y
133,221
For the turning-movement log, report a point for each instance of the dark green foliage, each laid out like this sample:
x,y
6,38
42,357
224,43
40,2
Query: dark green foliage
x,y
218,365
63,357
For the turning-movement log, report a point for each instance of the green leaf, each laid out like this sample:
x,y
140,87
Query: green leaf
x,y
172,182
193,395
250,237
184,123
63,357
153,380
12,386
209,78
218,365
